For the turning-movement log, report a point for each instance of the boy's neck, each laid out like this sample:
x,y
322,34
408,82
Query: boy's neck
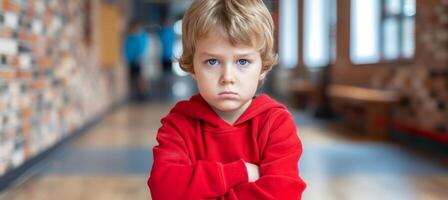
x,y
231,116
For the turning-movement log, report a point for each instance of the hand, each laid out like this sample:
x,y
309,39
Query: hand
x,y
252,172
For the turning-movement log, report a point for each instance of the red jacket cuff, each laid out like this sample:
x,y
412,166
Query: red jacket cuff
x,y
234,173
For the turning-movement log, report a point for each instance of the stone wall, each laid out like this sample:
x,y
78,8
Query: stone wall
x,y
50,81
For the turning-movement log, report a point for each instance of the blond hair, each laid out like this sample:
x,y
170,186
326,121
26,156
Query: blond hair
x,y
245,22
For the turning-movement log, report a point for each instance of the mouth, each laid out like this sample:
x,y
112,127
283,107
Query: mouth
x,y
228,93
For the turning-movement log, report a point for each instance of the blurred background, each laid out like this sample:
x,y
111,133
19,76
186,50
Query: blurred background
x,y
83,85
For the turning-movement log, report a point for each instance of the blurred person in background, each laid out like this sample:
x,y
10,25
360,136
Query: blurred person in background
x,y
135,47
167,37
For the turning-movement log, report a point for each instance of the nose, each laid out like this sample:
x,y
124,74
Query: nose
x,y
227,76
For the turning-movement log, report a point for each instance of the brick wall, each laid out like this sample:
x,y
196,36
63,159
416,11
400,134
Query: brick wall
x,y
424,85
50,82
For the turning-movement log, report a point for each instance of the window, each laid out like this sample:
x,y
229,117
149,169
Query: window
x,y
319,46
288,40
381,30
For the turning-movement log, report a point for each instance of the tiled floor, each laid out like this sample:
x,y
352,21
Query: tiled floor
x,y
112,160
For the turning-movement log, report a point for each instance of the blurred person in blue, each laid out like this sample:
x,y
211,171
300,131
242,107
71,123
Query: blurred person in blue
x,y
135,48
167,37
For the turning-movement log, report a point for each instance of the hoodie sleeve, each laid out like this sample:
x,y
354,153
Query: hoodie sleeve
x,y
279,174
175,176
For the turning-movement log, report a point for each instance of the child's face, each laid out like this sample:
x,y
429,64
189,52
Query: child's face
x,y
227,76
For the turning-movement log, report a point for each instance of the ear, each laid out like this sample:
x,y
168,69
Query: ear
x,y
191,73
193,76
262,74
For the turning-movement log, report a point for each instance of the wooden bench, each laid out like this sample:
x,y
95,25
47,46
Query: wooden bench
x,y
305,94
376,104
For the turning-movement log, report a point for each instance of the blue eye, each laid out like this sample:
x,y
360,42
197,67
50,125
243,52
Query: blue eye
x,y
212,61
243,62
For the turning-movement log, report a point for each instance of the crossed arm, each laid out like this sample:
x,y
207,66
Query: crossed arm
x,y
175,176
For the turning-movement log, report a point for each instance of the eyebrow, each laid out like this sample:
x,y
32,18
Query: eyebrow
x,y
214,55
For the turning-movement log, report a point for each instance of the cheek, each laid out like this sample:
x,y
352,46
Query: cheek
x,y
252,78
204,80
249,80
254,72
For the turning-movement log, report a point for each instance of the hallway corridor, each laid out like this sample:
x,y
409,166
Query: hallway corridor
x,y
380,66
111,161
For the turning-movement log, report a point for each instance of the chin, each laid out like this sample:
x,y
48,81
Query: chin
x,y
227,106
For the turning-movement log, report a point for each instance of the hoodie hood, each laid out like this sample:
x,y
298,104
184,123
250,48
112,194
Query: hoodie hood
x,y
196,107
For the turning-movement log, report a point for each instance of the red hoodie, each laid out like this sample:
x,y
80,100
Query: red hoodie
x,y
200,156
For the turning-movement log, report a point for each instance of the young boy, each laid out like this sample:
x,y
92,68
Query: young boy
x,y
225,142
